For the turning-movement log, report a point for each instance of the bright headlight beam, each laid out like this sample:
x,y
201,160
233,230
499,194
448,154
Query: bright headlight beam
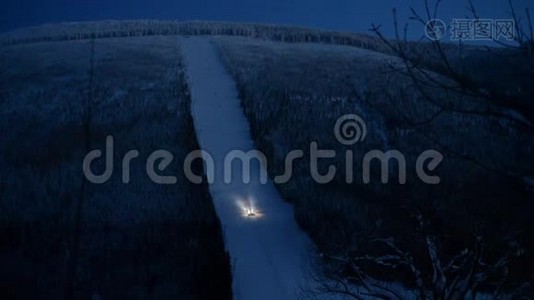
x,y
247,208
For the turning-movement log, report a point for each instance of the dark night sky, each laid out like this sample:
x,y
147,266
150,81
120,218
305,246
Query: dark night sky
x,y
350,15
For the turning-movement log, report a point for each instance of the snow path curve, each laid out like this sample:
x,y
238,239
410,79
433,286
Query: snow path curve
x,y
270,254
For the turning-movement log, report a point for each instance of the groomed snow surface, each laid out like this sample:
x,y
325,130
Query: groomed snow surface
x,y
271,256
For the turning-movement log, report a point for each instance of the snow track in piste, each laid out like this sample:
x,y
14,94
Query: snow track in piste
x,y
271,256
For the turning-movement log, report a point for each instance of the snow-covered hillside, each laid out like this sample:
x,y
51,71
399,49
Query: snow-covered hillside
x,y
229,88
130,241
